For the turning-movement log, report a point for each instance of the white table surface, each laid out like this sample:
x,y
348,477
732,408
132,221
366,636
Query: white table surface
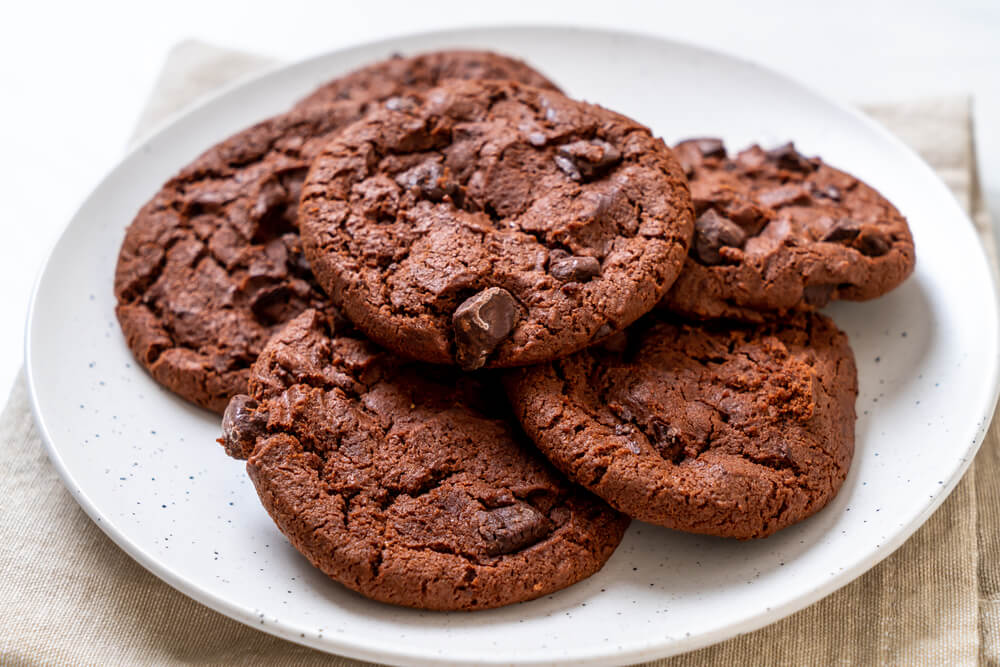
x,y
74,76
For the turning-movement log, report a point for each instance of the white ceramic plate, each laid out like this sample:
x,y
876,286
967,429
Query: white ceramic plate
x,y
144,466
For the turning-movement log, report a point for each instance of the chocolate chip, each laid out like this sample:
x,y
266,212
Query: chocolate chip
x,y
828,191
872,243
568,167
584,159
817,296
400,104
737,207
708,146
785,195
574,269
688,157
661,429
242,424
481,323
788,158
608,203
667,440
752,158
713,232
512,528
429,179
843,229
691,152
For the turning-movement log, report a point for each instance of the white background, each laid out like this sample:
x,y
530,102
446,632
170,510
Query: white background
x,y
74,76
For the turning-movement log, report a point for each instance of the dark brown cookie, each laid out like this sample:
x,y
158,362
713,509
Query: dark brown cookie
x,y
212,264
397,75
778,232
494,224
409,484
722,429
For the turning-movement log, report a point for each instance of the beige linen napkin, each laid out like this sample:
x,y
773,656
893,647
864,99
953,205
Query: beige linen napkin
x,y
68,595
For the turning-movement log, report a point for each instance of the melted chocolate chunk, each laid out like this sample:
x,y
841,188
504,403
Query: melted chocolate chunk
x,y
844,229
785,195
512,528
582,160
691,152
568,167
789,158
426,178
829,191
572,269
709,146
666,439
432,181
481,323
242,424
712,233
872,242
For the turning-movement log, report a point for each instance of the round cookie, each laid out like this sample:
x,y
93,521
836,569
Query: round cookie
x,y
398,75
409,484
778,232
721,429
488,223
213,264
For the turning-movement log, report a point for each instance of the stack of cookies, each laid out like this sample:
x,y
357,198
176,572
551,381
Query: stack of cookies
x,y
463,327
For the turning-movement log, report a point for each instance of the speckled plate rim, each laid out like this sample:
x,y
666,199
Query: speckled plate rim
x,y
635,652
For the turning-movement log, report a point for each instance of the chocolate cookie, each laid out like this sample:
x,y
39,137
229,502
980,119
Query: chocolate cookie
x,y
778,232
212,264
409,484
398,75
722,429
494,224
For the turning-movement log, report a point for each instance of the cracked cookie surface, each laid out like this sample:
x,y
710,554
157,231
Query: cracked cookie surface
x,y
212,265
398,75
721,429
494,224
778,232
409,483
